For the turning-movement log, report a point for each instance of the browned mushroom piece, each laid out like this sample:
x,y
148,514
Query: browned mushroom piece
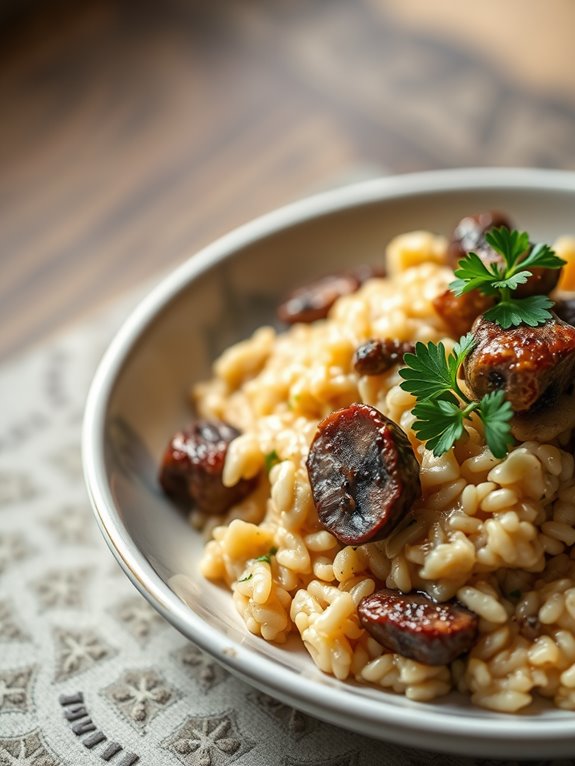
x,y
413,625
469,235
193,465
460,311
376,356
533,365
363,473
314,300
541,282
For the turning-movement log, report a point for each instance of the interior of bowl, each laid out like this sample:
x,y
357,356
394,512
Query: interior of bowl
x,y
143,390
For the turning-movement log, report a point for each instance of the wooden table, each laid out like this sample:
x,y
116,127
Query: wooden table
x,y
131,134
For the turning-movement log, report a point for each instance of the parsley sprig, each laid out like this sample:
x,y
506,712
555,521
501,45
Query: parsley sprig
x,y
442,406
500,280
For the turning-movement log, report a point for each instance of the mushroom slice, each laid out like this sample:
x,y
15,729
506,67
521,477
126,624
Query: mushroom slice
x,y
469,235
314,300
414,626
363,473
376,356
193,466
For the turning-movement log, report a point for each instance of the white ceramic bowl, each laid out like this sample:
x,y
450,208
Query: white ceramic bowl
x,y
138,398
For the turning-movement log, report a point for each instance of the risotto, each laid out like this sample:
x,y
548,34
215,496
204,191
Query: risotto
x,y
496,534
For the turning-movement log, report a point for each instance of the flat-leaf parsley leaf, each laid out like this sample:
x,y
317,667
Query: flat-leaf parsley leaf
x,y
439,423
501,279
428,374
510,312
442,406
496,412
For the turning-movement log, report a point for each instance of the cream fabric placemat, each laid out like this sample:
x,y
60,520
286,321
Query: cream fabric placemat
x,y
89,673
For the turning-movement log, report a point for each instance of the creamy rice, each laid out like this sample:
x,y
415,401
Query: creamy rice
x,y
496,534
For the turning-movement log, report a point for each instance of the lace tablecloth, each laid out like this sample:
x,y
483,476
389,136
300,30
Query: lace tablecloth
x,y
89,673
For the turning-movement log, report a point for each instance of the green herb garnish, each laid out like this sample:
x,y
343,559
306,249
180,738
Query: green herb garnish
x,y
267,557
272,458
432,376
500,280
442,407
247,577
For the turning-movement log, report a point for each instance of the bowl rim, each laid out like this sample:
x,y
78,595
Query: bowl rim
x,y
299,690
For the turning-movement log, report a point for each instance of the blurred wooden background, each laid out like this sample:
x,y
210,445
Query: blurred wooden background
x,y
131,134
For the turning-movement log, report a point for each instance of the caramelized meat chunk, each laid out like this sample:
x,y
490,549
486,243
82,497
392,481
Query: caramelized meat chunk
x,y
375,357
459,312
469,235
313,301
416,627
363,473
193,464
533,365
